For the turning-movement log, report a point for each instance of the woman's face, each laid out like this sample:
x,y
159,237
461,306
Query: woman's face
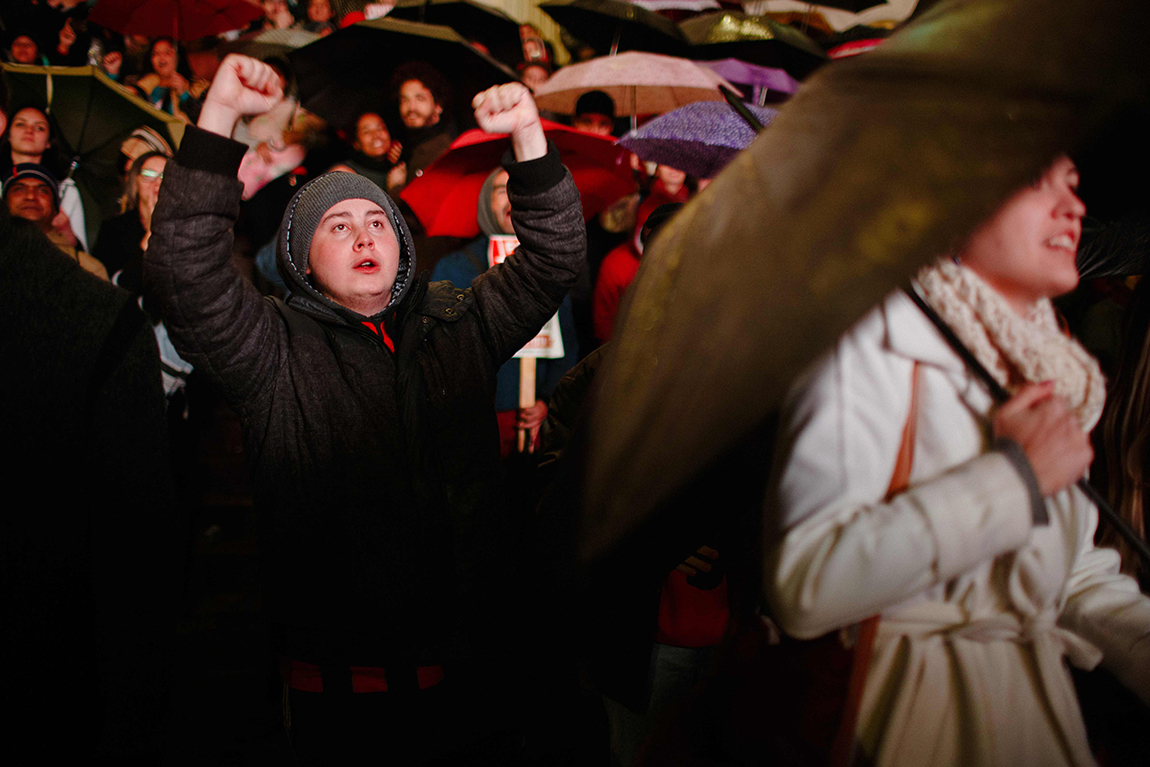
x,y
371,136
164,59
29,133
1028,250
148,182
319,11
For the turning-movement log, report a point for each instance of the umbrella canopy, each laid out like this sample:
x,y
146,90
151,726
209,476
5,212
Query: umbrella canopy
x,y
764,83
179,19
347,72
700,138
639,83
273,42
754,39
610,26
473,20
854,6
91,116
445,197
877,165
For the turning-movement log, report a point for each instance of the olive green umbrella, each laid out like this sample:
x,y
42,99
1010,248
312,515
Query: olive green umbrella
x,y
91,116
877,165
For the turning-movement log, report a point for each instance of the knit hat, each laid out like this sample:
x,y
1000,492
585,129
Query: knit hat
x,y
303,215
483,215
32,170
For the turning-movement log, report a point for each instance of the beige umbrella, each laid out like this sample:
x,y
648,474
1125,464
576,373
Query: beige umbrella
x,y
639,83
878,164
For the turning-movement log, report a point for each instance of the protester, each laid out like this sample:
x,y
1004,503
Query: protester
x,y
320,18
31,193
29,141
461,268
983,569
366,403
620,266
23,49
594,113
534,74
90,564
422,94
277,15
164,86
375,154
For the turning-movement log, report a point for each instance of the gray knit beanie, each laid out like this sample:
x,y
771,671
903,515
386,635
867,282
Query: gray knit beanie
x,y
303,215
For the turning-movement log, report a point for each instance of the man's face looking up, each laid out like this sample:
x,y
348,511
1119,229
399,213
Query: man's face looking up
x,y
593,122
417,106
31,198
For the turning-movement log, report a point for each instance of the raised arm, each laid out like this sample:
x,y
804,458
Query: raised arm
x,y
517,297
217,320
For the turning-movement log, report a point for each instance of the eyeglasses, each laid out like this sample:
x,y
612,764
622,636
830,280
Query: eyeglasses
x,y
152,175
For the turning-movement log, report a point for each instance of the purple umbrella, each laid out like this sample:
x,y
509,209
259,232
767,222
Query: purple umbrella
x,y
700,138
761,79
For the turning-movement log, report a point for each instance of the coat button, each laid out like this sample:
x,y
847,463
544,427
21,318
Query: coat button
x,y
459,297
449,311
426,320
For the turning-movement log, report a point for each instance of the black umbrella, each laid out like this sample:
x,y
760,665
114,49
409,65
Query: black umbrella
x,y
91,116
612,26
473,20
854,6
878,164
755,39
349,71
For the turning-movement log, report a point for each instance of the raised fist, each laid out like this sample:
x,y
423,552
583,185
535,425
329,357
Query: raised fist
x,y
242,86
509,108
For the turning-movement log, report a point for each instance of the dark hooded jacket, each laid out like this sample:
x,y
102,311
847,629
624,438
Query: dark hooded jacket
x,y
376,470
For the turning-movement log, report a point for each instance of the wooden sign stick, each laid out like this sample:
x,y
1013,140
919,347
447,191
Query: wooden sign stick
x,y
526,398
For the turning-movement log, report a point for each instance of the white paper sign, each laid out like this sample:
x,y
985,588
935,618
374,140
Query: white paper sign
x,y
549,343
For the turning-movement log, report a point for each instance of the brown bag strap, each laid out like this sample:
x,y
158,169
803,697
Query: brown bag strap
x,y
843,750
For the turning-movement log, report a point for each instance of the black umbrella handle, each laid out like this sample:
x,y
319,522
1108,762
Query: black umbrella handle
x,y
737,104
1001,395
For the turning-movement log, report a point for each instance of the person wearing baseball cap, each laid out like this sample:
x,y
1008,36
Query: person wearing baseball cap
x,y
32,193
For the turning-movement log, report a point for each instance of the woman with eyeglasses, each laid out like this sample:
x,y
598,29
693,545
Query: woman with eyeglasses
x,y
124,239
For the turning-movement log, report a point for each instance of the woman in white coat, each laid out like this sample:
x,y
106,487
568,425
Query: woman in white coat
x,y
984,570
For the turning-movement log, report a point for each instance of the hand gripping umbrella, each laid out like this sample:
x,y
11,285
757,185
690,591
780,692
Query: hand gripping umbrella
x,y
878,164
91,116
444,198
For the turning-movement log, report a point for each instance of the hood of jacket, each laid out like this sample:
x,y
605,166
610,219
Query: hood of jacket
x,y
302,293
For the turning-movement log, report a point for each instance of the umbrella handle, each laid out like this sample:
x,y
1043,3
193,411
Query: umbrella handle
x,y
741,108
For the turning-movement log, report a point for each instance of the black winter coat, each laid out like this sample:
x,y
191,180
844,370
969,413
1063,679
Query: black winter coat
x,y
377,476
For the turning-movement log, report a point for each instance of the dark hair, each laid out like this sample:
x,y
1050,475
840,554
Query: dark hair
x,y
182,66
426,74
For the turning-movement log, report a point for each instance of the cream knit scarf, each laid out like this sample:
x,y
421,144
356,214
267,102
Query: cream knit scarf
x,y
1014,348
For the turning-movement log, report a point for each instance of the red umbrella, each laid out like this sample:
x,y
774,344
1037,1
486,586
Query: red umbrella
x,y
179,19
446,196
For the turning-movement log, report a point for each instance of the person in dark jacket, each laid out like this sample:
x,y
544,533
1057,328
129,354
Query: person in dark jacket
x,y
369,426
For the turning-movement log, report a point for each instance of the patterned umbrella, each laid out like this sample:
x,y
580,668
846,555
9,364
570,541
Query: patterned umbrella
x,y
700,138
640,83
766,84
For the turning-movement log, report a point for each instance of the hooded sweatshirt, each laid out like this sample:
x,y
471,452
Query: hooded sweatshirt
x,y
375,464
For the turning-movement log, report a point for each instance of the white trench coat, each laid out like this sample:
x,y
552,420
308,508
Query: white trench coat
x,y
979,607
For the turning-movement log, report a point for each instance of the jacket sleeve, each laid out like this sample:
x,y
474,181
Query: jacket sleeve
x,y
216,319
515,298
1106,607
837,552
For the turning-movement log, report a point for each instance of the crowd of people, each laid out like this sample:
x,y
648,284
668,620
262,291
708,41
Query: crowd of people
x,y
402,456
